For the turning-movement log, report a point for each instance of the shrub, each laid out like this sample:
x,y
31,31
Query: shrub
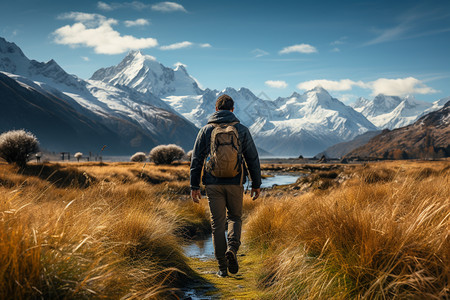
x,y
16,146
138,157
166,154
189,155
78,155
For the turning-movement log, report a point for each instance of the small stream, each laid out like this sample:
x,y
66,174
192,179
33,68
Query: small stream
x,y
269,182
203,249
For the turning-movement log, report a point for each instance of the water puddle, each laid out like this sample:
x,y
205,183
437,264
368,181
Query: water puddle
x,y
202,249
278,180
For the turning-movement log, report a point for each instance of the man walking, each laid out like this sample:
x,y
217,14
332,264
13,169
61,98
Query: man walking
x,y
223,150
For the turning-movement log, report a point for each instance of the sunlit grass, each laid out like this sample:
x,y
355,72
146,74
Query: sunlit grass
x,y
384,233
115,231
106,239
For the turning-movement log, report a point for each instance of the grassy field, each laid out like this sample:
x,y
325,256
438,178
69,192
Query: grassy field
x,y
115,231
95,231
372,231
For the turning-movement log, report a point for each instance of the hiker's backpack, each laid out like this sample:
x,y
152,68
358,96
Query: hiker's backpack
x,y
225,159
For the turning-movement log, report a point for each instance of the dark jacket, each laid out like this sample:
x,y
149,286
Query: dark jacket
x,y
202,148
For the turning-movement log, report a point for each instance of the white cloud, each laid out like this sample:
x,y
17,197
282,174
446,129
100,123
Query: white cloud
x,y
259,52
391,87
411,24
335,49
331,85
347,98
277,84
104,6
301,48
339,41
85,58
205,45
400,87
116,5
95,31
179,64
87,18
389,34
177,46
168,7
138,22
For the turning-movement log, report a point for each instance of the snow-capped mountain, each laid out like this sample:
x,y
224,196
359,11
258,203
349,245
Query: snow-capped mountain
x,y
300,124
145,74
147,103
436,105
142,120
428,137
389,112
309,123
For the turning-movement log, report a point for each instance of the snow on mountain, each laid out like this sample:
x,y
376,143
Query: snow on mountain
x,y
428,137
145,74
389,112
360,103
300,124
303,124
142,91
436,105
142,118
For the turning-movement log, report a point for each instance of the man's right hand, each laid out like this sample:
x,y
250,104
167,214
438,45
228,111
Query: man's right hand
x,y
196,195
255,193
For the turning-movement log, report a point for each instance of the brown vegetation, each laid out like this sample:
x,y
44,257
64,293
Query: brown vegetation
x,y
105,239
382,233
95,230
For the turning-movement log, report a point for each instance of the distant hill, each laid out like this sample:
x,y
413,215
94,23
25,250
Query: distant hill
x,y
341,149
58,124
428,137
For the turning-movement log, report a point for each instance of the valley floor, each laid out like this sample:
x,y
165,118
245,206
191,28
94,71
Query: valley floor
x,y
116,230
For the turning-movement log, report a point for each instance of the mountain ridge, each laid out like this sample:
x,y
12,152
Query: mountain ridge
x,y
168,104
141,121
428,137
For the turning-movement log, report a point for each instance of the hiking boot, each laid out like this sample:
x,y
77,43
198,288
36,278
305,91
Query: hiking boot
x,y
232,262
222,273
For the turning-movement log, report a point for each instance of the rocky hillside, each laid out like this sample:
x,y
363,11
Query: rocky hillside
x,y
428,137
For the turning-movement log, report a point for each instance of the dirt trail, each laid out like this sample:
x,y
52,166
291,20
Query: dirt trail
x,y
239,286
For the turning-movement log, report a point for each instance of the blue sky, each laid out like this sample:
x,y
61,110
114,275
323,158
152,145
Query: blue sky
x,y
351,48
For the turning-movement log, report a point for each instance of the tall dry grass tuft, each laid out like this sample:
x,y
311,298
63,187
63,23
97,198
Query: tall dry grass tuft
x,y
105,240
384,234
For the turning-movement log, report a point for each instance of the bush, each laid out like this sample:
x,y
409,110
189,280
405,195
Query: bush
x,y
166,154
78,155
189,155
16,146
138,157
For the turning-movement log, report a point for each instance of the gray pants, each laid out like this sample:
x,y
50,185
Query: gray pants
x,y
225,204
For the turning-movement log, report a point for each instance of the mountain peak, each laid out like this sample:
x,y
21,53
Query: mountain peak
x,y
319,89
295,95
180,68
145,74
9,48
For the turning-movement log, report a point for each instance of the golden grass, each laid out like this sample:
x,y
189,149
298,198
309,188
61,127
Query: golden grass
x,y
113,231
99,239
384,233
